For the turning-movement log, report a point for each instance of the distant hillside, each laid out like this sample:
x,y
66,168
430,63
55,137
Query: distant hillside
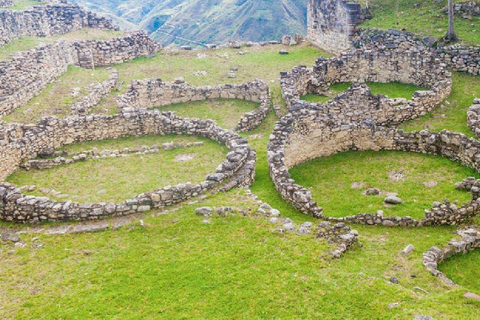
x,y
206,21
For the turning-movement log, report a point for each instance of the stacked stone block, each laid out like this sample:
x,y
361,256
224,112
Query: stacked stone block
x,y
22,142
153,93
48,20
28,73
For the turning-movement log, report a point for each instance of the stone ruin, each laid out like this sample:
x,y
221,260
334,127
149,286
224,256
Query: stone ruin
x,y
332,24
6,3
356,120
470,240
152,93
29,72
19,143
48,20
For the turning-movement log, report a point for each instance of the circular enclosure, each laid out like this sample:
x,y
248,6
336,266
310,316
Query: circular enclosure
x,y
19,143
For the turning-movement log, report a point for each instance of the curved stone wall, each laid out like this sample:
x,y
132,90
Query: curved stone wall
x,y
305,134
48,20
151,93
473,117
419,68
27,74
470,240
23,142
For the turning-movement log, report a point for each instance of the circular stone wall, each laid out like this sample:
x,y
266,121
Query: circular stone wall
x,y
19,143
411,66
305,135
151,93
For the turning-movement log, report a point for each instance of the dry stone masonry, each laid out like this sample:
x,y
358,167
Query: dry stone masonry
x,y
153,93
62,157
466,9
19,143
28,73
355,120
6,3
332,24
470,240
99,91
47,20
458,57
406,66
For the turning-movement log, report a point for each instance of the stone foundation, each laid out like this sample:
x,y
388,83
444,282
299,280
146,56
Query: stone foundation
x,y
307,135
470,240
406,66
99,91
19,143
153,93
27,74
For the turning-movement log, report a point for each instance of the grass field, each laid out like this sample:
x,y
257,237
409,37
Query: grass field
x,y
421,17
330,179
239,267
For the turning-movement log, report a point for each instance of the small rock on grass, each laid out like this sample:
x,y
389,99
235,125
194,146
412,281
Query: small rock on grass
x,y
205,211
408,249
393,200
10,237
471,296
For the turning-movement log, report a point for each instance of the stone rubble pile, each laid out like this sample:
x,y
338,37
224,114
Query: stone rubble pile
x,y
470,240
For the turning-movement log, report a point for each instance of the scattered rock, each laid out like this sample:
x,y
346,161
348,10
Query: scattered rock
x,y
357,185
430,184
408,249
10,237
394,280
396,175
422,317
471,296
185,157
393,200
393,305
284,52
372,192
204,211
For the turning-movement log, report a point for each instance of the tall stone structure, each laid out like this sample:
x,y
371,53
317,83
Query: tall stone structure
x,y
332,23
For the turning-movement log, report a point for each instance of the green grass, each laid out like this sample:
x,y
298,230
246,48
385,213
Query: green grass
x,y
330,180
391,90
463,270
235,267
168,65
451,115
421,17
226,112
119,179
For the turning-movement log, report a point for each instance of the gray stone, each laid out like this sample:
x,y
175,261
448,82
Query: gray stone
x,y
204,211
393,200
10,237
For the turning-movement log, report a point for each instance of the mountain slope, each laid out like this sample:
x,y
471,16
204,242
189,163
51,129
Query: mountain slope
x,y
206,21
